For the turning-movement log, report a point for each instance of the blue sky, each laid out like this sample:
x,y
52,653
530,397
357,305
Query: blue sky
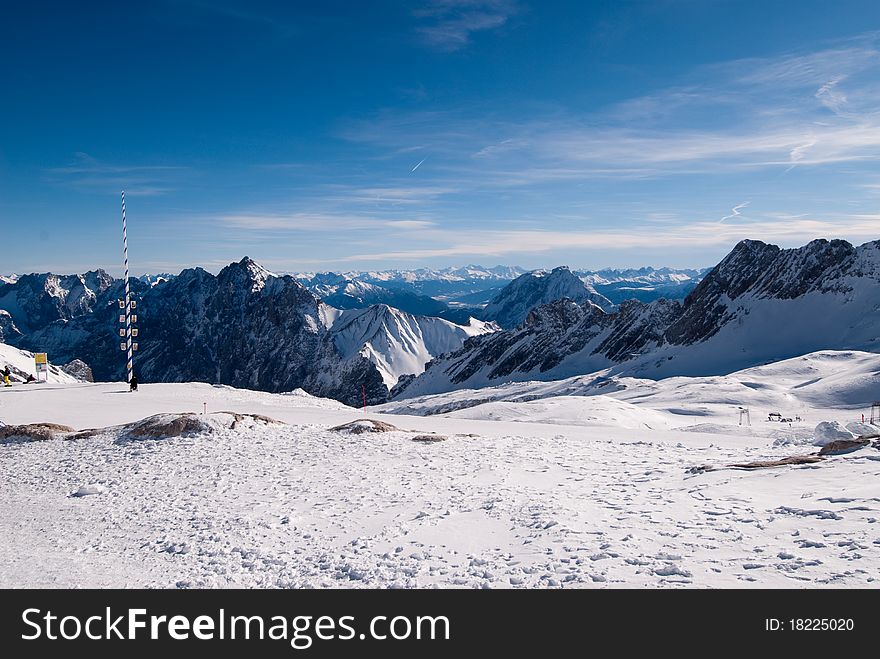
x,y
341,135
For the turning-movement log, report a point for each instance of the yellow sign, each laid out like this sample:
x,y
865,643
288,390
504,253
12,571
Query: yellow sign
x,y
40,358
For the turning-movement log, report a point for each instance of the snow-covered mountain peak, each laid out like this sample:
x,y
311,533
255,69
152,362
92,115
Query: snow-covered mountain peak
x,y
156,279
34,300
247,270
512,305
399,343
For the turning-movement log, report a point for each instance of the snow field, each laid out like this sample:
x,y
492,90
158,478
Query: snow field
x,y
523,503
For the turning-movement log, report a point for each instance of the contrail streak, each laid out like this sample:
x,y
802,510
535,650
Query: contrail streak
x,y
417,166
734,212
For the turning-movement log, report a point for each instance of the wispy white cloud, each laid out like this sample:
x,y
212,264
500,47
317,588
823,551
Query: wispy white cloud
x,y
448,25
504,146
806,69
311,222
394,194
831,97
88,173
799,109
690,235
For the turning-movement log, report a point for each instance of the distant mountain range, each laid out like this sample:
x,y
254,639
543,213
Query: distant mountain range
x,y
643,284
351,335
760,304
343,293
245,327
476,285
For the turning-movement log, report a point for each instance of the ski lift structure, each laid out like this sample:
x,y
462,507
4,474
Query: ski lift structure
x,y
744,416
875,412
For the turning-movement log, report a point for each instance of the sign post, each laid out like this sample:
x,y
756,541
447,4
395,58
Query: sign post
x,y
41,361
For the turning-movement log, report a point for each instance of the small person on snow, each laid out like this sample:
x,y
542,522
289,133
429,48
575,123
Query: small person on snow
x,y
6,375
133,384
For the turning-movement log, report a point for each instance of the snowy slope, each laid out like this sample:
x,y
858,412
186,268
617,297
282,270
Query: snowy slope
x,y
21,364
399,343
826,385
500,503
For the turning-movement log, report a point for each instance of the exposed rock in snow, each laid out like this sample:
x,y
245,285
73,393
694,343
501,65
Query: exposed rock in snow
x,y
782,462
843,446
78,369
188,424
428,439
361,426
33,432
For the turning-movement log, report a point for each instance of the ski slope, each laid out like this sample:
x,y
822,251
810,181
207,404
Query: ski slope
x,y
21,364
814,386
535,489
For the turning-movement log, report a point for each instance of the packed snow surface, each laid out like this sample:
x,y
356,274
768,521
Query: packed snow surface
x,y
546,485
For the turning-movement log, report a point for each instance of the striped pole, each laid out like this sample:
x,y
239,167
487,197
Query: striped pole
x,y
130,362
